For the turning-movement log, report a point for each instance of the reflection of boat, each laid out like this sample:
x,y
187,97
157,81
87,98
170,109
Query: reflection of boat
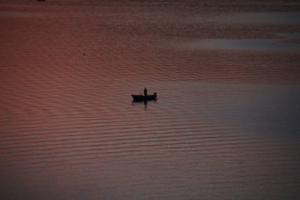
x,y
144,98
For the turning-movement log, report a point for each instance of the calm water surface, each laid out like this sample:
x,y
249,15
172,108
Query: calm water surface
x,y
225,125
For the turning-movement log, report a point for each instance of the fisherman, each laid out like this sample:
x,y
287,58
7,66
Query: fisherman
x,y
145,92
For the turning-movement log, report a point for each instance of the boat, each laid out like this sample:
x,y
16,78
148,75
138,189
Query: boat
x,y
141,97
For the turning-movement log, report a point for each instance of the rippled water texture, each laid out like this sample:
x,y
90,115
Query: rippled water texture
x,y
225,125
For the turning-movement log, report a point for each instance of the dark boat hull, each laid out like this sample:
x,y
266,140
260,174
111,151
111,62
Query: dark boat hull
x,y
144,98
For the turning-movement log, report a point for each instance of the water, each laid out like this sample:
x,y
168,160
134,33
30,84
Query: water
x,y
225,125
246,44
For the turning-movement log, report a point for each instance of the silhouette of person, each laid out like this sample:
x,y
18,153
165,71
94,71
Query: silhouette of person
x,y
145,91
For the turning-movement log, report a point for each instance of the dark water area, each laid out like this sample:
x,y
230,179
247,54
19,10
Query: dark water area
x,y
225,124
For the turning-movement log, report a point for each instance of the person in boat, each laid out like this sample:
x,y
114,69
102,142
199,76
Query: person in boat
x,y
145,92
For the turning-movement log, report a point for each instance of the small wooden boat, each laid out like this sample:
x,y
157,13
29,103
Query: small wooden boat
x,y
144,98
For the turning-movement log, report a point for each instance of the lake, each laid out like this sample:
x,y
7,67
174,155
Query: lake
x,y
225,124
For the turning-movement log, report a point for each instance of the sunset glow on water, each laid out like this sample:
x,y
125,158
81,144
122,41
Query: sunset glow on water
x,y
225,124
